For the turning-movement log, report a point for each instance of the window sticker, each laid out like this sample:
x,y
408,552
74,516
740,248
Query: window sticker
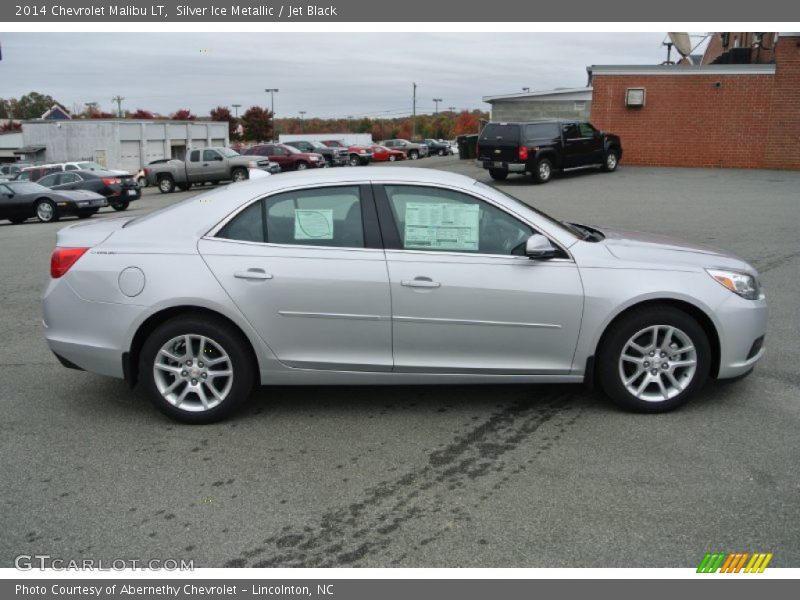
x,y
442,226
314,224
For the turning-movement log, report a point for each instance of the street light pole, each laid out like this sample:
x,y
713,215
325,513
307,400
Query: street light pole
x,y
414,113
436,101
302,121
272,92
236,108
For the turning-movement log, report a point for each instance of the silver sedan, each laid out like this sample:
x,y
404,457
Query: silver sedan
x,y
391,276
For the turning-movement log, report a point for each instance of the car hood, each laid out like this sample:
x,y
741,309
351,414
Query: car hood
x,y
639,246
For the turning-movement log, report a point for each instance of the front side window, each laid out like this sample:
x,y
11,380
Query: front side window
x,y
571,131
319,217
587,130
443,220
210,155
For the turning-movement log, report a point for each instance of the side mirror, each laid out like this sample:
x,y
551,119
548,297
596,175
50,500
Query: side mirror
x,y
218,158
539,247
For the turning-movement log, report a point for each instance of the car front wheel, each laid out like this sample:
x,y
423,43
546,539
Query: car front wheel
x,y
654,359
46,211
195,369
413,155
611,161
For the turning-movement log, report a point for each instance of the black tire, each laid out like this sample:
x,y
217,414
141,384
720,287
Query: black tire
x,y
233,344
610,161
186,186
609,371
142,181
354,160
392,158
413,155
166,184
18,220
301,165
120,205
543,171
498,174
239,175
45,214
441,152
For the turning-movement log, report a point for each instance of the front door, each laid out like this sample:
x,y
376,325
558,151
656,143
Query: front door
x,y
310,277
465,298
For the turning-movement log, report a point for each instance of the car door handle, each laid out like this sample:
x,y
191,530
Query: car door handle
x,y
258,274
420,282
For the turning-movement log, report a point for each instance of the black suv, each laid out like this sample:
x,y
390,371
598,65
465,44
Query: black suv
x,y
541,147
333,156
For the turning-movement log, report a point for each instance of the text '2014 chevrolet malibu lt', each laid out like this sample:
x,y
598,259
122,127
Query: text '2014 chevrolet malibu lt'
x,y
391,276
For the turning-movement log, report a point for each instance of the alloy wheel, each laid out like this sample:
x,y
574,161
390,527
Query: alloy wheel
x,y
45,211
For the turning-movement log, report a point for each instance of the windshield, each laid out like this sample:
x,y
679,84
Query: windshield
x,y
227,152
564,226
318,145
90,166
26,187
292,149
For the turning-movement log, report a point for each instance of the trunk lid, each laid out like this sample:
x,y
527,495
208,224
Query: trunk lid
x,y
90,233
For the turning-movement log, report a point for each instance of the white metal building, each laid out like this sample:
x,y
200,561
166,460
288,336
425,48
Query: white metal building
x,y
566,103
125,144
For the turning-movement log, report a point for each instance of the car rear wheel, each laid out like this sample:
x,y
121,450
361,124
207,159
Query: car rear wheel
x,y
301,166
441,152
121,205
355,161
611,161
166,184
543,171
392,158
498,174
413,155
142,181
239,175
46,211
196,369
654,359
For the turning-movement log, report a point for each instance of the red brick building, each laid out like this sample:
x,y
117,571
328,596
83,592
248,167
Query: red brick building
x,y
709,115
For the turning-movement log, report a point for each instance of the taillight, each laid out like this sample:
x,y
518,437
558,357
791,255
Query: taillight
x,y
146,172
523,153
111,180
63,259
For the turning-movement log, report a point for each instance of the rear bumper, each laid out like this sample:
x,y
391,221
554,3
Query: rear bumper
x,y
501,165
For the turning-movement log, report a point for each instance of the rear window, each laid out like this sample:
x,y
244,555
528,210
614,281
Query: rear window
x,y
504,132
541,130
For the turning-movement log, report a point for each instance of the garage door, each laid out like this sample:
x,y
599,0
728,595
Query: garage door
x,y
129,157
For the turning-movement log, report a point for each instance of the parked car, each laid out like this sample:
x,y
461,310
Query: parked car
x,y
383,154
439,148
119,190
410,149
392,276
334,157
212,164
90,165
13,168
359,155
289,158
21,200
542,147
36,172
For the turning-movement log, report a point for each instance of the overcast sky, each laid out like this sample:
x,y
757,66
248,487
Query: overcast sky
x,y
326,75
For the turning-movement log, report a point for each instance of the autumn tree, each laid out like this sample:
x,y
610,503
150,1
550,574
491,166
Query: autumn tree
x,y
257,123
223,113
10,127
141,114
183,114
466,123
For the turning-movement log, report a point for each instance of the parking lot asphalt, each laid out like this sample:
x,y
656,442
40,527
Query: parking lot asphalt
x,y
422,476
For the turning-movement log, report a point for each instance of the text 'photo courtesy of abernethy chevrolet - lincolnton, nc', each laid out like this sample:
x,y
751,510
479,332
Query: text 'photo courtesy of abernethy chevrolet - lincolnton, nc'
x,y
391,275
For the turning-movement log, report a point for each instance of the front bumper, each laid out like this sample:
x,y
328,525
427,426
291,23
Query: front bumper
x,y
501,165
742,327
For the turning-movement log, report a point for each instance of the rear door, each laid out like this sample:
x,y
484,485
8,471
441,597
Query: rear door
x,y
307,270
499,143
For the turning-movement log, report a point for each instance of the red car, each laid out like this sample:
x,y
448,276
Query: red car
x,y
358,155
382,153
290,159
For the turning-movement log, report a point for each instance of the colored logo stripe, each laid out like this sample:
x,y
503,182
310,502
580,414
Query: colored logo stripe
x,y
734,562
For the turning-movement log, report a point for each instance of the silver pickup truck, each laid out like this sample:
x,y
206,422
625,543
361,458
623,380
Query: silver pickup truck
x,y
212,164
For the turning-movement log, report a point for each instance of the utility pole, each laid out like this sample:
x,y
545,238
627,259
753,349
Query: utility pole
x,y
236,108
414,113
526,89
302,121
118,99
348,122
437,100
272,92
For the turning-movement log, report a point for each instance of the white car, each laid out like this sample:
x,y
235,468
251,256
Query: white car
x,y
391,276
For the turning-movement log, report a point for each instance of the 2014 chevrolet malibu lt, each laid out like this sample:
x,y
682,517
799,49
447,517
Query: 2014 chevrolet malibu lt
x,y
391,276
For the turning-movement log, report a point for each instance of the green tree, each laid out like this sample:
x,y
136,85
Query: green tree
x,y
31,106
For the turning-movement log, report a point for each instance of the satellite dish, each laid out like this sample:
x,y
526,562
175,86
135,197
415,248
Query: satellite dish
x,y
682,44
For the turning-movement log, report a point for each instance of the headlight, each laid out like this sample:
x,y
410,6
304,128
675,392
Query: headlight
x,y
742,284
314,158
253,164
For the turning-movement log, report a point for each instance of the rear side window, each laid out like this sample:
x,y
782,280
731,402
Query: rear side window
x,y
194,156
501,132
319,217
538,131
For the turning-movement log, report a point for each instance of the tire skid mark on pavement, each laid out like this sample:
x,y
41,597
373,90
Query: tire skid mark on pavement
x,y
347,535
773,262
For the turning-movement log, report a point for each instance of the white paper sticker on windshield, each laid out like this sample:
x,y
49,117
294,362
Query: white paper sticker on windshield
x,y
314,224
442,226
